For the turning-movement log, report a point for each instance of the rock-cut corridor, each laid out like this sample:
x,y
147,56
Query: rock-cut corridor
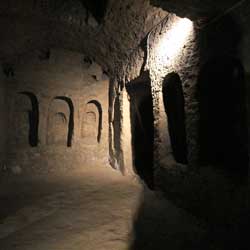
x,y
124,124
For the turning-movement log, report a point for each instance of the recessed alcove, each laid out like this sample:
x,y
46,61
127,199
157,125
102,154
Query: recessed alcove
x,y
60,122
27,118
91,129
142,128
174,104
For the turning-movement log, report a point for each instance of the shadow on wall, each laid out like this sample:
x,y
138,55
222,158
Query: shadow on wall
x,y
222,100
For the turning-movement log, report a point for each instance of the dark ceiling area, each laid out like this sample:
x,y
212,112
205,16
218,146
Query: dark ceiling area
x,y
197,9
96,7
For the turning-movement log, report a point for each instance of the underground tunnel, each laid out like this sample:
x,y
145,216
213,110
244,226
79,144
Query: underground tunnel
x,y
124,124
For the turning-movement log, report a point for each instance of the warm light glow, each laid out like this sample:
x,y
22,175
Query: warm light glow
x,y
174,40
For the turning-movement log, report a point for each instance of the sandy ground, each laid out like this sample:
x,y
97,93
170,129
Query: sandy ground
x,y
94,209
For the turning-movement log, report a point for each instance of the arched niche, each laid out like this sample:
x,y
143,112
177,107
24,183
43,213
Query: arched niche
x,y
27,118
91,128
61,121
174,104
142,128
223,115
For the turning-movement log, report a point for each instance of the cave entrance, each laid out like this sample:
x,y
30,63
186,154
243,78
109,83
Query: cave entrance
x,y
142,128
174,104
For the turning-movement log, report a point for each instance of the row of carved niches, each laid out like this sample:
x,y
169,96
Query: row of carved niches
x,y
60,121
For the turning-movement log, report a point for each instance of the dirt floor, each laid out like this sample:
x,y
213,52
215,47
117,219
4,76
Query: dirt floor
x,y
95,209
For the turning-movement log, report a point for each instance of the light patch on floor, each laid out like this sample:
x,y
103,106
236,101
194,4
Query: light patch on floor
x,y
97,209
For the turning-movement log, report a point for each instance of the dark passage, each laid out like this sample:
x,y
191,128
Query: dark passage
x,y
223,123
174,106
142,130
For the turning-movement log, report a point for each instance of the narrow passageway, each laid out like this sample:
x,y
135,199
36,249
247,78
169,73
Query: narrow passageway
x,y
96,209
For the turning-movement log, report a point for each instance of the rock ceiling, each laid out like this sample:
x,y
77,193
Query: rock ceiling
x,y
197,8
108,30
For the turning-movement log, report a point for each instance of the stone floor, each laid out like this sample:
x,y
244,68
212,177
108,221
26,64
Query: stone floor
x,y
94,209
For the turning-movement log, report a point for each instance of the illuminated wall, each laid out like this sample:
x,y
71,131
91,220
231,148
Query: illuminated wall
x,y
71,97
172,47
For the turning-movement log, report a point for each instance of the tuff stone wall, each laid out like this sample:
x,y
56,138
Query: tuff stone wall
x,y
184,62
71,95
203,43
126,44
216,194
151,56
111,42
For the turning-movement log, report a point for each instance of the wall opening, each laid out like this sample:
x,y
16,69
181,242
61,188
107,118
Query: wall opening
x,y
174,104
92,122
33,118
223,119
61,121
142,126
